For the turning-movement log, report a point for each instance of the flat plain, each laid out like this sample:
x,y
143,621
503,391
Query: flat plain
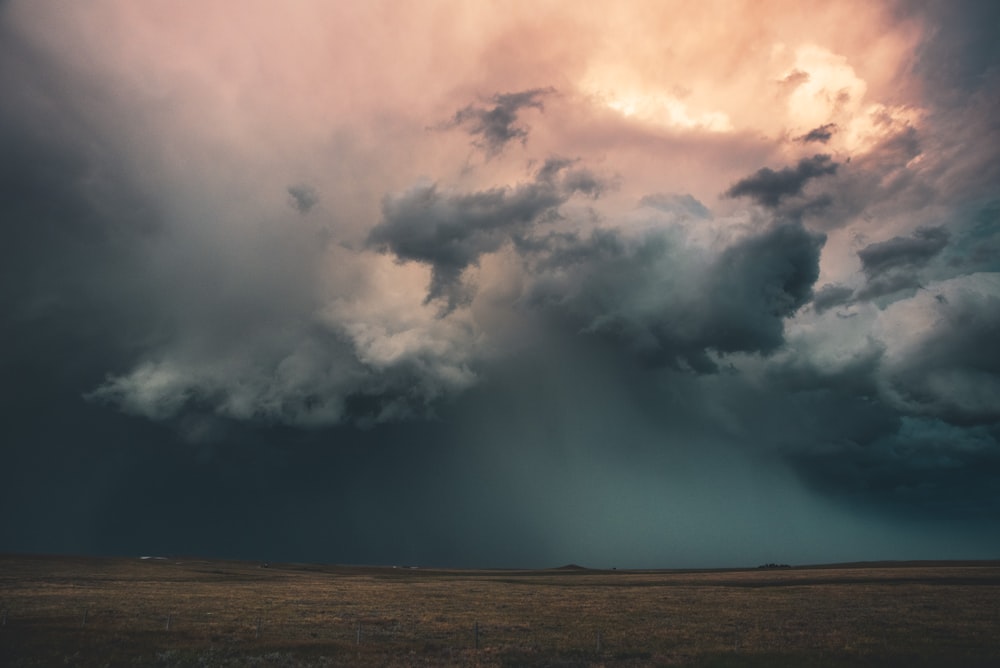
x,y
193,612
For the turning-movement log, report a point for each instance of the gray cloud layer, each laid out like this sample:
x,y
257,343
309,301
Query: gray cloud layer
x,y
255,292
768,187
903,252
302,198
494,127
822,134
671,307
451,231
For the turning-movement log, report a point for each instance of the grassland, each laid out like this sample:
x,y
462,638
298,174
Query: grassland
x,y
188,612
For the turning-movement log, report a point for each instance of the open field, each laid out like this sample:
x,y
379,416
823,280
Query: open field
x,y
188,612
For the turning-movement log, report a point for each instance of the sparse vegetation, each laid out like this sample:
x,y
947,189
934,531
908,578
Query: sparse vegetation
x,y
180,612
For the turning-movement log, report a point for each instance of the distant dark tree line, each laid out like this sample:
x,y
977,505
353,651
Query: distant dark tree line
x,y
774,566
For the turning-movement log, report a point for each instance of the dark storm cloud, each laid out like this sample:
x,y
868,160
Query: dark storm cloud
x,y
898,264
830,296
892,284
571,178
923,468
762,280
976,244
822,134
768,187
451,231
115,294
903,252
953,371
855,378
71,213
962,52
617,382
671,305
495,126
893,153
879,181
908,423
302,198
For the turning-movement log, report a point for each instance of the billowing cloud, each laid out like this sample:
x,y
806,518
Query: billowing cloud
x,y
673,302
451,231
302,198
822,134
903,252
768,187
942,362
236,259
897,265
494,127
831,295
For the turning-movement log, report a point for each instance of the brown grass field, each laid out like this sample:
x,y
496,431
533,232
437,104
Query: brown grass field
x,y
66,611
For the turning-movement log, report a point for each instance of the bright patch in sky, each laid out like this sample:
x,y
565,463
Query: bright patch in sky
x,y
650,105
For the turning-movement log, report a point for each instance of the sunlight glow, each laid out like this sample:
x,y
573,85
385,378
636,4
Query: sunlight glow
x,y
620,90
828,90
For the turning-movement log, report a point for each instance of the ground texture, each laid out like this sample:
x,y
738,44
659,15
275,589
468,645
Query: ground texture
x,y
189,612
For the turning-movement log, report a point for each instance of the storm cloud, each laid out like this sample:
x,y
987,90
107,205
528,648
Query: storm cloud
x,y
822,134
493,127
674,303
952,371
768,187
830,296
253,307
903,252
451,231
302,198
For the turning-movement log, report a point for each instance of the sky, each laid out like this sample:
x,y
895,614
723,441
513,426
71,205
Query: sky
x,y
634,284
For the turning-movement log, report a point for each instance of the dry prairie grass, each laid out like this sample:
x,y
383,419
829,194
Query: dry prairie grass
x,y
181,612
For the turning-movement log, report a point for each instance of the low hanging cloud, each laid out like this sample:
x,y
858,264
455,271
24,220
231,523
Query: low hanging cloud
x,y
822,134
830,296
889,286
302,198
366,356
769,188
898,264
197,237
911,252
944,362
494,127
451,231
672,301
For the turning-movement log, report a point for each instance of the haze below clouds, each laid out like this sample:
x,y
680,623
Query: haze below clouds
x,y
501,286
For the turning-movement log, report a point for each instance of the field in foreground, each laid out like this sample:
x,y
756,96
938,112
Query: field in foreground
x,y
182,612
